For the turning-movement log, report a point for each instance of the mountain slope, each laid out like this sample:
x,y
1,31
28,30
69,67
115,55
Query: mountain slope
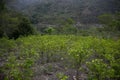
x,y
52,11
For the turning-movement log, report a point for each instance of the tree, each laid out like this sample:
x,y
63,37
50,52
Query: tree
x,y
24,28
68,27
49,30
2,5
13,25
112,21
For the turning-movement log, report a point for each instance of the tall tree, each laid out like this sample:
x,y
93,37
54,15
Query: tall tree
x,y
2,5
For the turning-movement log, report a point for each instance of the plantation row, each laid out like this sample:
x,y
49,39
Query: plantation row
x,y
100,56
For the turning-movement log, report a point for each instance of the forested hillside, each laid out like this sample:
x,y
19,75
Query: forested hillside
x,y
59,39
52,11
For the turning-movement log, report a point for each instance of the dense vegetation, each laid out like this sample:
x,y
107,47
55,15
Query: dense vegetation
x,y
52,11
13,24
111,21
96,57
63,50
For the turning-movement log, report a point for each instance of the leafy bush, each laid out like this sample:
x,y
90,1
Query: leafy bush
x,y
49,30
101,56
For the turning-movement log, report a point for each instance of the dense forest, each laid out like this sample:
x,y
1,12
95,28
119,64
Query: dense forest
x,y
59,39
45,13
51,11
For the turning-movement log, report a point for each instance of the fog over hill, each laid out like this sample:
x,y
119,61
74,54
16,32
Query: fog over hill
x,y
51,11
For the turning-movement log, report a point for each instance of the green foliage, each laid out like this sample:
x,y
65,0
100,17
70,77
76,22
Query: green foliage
x,y
67,27
112,21
70,21
61,76
49,30
24,28
80,50
106,18
5,46
99,70
14,25
2,5
101,56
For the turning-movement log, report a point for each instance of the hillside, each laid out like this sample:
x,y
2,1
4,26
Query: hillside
x,y
69,42
52,11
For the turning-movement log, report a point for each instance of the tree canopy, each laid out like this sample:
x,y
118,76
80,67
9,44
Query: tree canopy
x,y
112,21
13,24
